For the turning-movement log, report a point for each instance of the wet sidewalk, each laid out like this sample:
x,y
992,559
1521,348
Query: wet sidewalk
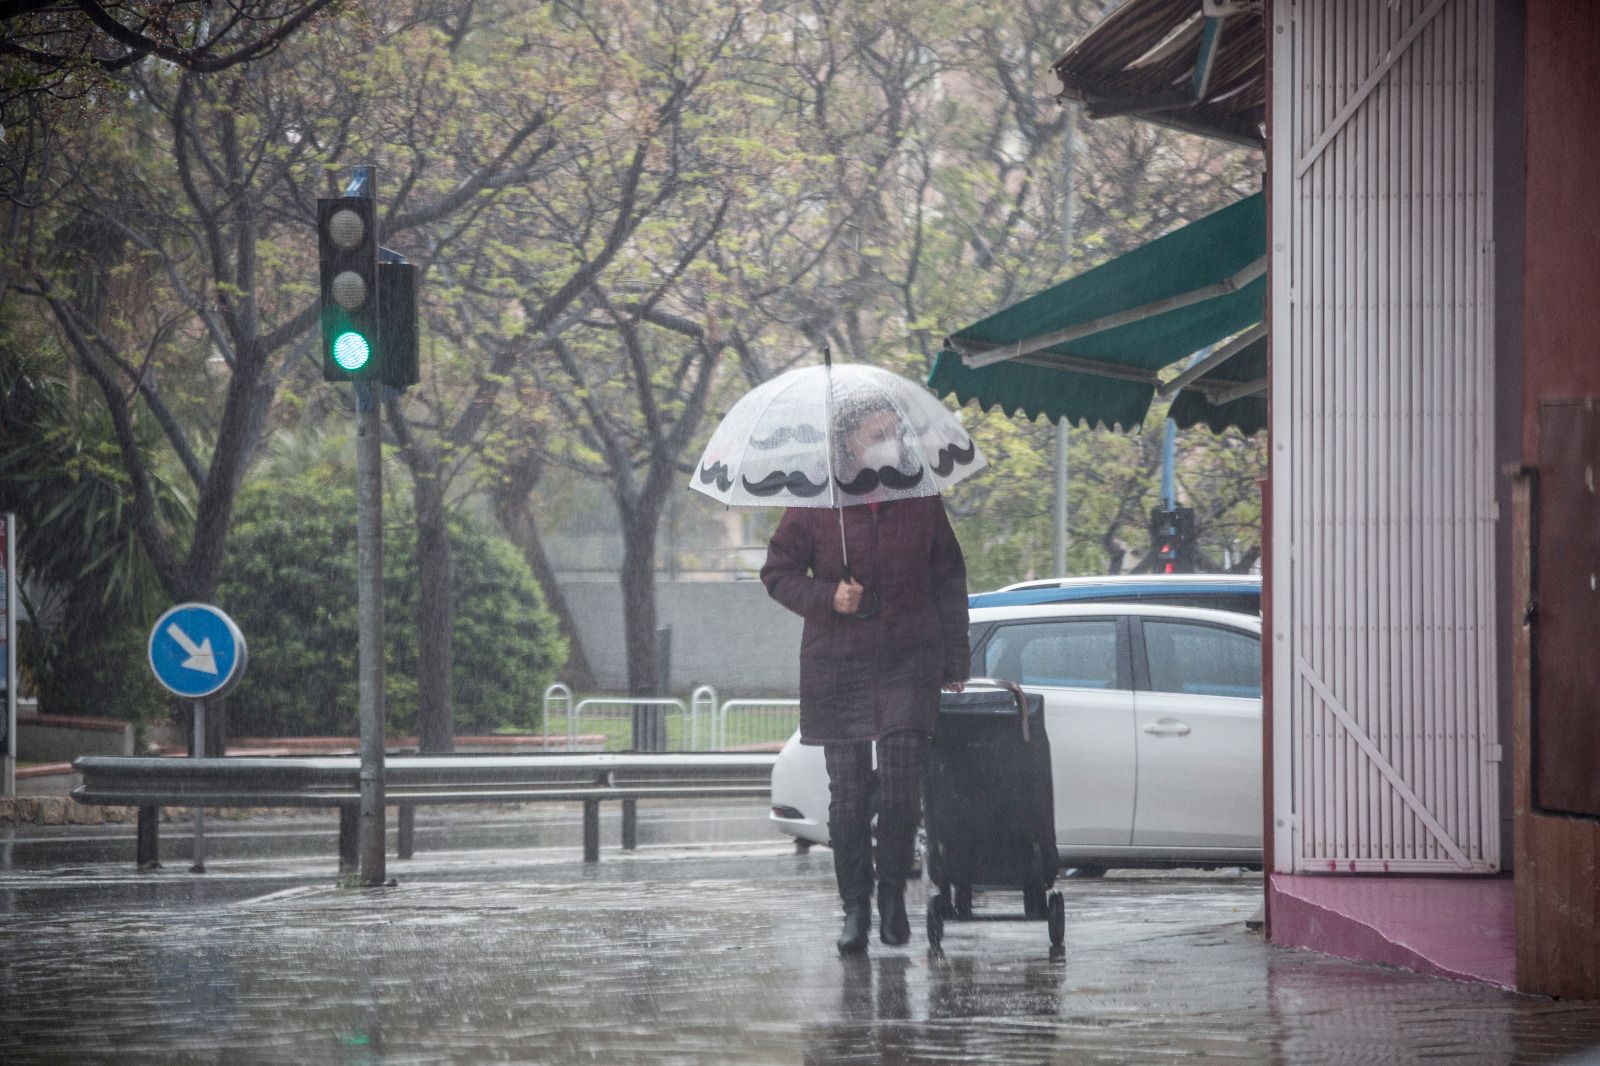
x,y
705,955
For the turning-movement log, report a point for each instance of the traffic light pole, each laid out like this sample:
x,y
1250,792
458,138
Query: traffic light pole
x,y
369,619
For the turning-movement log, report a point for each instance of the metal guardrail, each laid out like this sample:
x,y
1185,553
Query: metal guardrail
x,y
334,781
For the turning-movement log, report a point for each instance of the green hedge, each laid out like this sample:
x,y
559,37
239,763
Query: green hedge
x,y
290,584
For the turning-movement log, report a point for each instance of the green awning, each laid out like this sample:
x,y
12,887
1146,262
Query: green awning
x,y
1088,349
1234,394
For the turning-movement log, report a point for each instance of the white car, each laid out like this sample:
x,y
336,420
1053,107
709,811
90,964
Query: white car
x,y
1154,719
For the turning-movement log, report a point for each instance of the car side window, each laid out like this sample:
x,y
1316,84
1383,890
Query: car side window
x,y
1076,654
975,634
1202,660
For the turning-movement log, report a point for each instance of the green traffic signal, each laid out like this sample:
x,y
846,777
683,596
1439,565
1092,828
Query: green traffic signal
x,y
347,250
351,351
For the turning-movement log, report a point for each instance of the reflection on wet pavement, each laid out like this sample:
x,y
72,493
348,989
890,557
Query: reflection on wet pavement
x,y
701,955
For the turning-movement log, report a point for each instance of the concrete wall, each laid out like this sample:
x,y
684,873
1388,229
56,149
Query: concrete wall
x,y
62,738
728,634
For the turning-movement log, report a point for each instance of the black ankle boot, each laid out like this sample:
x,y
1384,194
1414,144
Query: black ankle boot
x,y
894,928
896,846
857,927
852,868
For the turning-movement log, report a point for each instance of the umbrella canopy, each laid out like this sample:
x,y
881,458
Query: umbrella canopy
x,y
826,436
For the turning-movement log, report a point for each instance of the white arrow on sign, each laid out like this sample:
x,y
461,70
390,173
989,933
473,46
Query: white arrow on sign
x,y
201,657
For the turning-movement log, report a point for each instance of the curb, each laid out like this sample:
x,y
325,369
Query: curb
x,y
64,810
59,810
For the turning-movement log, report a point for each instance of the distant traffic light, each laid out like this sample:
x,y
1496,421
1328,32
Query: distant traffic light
x,y
347,244
1172,540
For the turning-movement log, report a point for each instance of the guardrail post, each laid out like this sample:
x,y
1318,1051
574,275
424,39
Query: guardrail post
x,y
149,841
349,837
406,832
630,825
591,830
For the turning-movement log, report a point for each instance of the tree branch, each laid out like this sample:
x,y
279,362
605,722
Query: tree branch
x,y
145,523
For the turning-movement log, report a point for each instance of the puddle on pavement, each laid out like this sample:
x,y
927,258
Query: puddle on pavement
x,y
710,959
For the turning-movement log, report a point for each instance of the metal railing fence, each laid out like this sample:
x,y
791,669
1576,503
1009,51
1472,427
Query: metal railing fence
x,y
703,723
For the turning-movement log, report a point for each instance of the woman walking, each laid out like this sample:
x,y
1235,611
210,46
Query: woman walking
x,y
884,600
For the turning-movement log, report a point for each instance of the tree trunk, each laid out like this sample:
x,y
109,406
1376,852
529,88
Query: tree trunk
x,y
517,519
639,624
436,595
435,612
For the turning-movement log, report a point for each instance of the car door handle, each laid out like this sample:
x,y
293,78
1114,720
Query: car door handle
x,y
1167,727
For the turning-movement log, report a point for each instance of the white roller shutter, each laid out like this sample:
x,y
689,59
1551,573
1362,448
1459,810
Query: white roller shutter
x,y
1383,505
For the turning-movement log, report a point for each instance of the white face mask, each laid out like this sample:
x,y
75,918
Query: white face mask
x,y
880,454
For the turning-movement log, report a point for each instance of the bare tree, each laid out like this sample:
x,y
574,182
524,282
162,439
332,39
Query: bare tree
x,y
188,244
61,37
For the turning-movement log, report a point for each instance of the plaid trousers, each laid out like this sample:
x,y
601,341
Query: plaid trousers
x,y
894,790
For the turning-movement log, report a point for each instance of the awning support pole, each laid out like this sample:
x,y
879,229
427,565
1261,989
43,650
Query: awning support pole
x,y
1214,360
1200,82
1239,392
1093,367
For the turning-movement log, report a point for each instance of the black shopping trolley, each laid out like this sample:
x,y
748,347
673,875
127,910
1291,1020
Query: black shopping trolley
x,y
989,809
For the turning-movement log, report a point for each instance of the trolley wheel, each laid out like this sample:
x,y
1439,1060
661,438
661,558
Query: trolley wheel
x,y
1056,916
963,906
936,905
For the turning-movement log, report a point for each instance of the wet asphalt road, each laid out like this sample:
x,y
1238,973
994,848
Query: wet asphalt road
x,y
711,944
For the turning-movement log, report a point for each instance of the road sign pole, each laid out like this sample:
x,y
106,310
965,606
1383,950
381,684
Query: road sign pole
x,y
199,866
197,654
8,653
369,617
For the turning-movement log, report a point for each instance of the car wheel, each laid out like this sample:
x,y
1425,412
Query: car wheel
x,y
1085,872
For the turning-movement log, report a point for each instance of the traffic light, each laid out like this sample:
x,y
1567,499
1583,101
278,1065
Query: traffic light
x,y
397,324
1172,540
347,243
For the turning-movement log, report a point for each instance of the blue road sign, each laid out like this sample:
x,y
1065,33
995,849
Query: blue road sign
x,y
196,651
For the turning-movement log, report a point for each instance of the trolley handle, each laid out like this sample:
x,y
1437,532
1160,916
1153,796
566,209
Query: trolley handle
x,y
1016,694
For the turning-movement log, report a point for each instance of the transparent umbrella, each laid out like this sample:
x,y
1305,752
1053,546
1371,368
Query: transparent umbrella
x,y
827,436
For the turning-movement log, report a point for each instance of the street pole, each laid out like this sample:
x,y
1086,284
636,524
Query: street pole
x,y
1061,500
8,652
1169,448
1060,540
369,619
198,866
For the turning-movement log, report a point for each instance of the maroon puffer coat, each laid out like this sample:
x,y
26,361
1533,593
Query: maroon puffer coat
x,y
862,678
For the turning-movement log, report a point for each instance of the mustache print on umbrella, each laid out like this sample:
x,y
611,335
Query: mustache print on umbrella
x,y
716,473
887,476
777,481
950,456
802,434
